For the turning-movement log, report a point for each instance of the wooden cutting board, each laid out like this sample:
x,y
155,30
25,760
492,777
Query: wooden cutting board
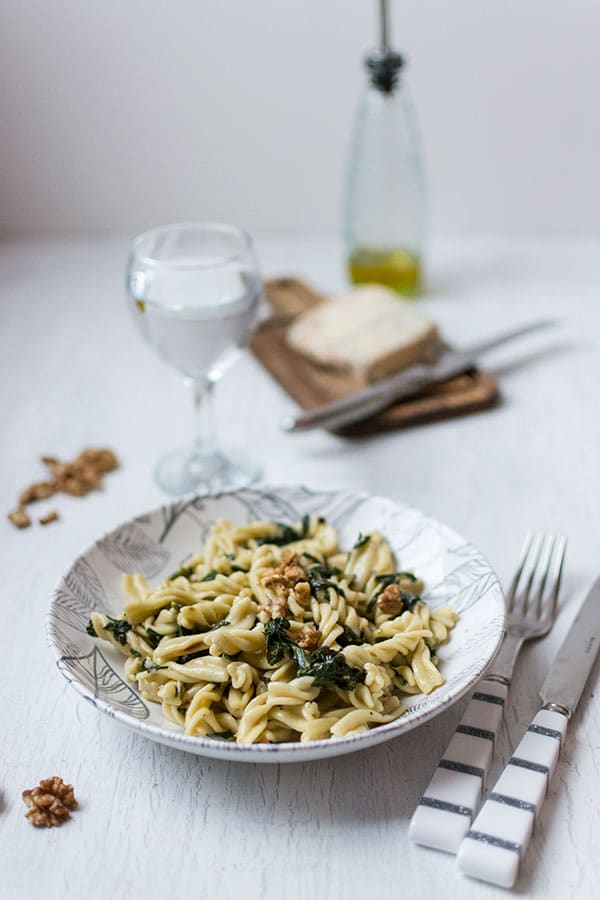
x,y
310,385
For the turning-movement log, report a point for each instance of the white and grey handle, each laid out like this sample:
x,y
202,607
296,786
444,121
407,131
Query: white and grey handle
x,y
495,843
445,812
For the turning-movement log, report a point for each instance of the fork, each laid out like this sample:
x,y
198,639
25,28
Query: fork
x,y
448,806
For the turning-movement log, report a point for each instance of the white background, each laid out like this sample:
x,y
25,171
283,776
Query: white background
x,y
123,114
160,824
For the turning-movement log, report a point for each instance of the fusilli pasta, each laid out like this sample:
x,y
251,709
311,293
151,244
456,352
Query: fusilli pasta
x,y
272,633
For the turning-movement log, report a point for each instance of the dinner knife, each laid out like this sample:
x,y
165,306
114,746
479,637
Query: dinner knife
x,y
408,383
496,842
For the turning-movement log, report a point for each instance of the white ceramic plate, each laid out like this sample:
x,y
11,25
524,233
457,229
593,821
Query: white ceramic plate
x,y
154,543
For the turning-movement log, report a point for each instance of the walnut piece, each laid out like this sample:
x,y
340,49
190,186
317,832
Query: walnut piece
x,y
49,517
39,490
279,607
287,576
389,601
19,518
77,478
50,803
100,459
309,637
302,594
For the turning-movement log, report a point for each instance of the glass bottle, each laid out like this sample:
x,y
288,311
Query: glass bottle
x,y
385,198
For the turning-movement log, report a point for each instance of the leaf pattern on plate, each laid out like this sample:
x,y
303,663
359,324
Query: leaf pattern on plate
x,y
79,593
57,637
130,549
269,506
467,584
84,584
94,672
172,512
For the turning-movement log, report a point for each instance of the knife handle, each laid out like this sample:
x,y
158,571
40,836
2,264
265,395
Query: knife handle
x,y
446,810
496,842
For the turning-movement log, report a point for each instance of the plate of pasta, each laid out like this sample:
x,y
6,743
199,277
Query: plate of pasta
x,y
276,624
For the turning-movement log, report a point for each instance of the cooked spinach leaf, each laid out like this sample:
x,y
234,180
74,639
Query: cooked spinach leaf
x,y
154,638
348,636
186,571
184,632
330,669
311,558
220,624
394,577
286,534
210,576
278,641
188,656
119,628
325,666
319,578
90,629
361,540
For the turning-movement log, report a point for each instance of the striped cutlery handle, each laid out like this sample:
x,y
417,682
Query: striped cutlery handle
x,y
446,810
494,845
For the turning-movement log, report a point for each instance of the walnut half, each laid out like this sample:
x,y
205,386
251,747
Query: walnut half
x,y
20,518
50,803
309,637
390,600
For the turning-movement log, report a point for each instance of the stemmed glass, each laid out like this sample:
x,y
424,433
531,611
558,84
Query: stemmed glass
x,y
194,291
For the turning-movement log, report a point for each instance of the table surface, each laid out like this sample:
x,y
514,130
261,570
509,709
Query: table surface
x,y
156,822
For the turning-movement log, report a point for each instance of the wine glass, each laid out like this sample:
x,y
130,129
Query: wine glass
x,y
194,291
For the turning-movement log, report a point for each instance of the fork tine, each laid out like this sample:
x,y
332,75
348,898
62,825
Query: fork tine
x,y
512,591
544,578
538,543
562,549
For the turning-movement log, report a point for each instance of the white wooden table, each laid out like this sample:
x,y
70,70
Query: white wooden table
x,y
158,823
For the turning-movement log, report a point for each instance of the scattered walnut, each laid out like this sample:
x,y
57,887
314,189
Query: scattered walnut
x,y
19,518
294,574
389,601
50,803
73,486
275,581
288,575
49,517
40,490
100,459
76,478
56,468
309,637
302,594
291,568
279,607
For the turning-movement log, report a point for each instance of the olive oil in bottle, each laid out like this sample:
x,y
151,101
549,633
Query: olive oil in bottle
x,y
398,269
385,207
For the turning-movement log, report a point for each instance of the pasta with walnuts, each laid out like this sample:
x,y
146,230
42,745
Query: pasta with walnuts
x,y
272,633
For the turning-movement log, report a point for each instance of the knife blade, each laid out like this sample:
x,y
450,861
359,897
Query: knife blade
x,y
572,665
409,383
496,842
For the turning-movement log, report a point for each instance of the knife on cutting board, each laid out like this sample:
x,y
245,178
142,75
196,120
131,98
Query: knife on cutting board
x,y
403,385
496,842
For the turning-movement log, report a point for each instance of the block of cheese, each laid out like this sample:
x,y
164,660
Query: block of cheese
x,y
368,331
